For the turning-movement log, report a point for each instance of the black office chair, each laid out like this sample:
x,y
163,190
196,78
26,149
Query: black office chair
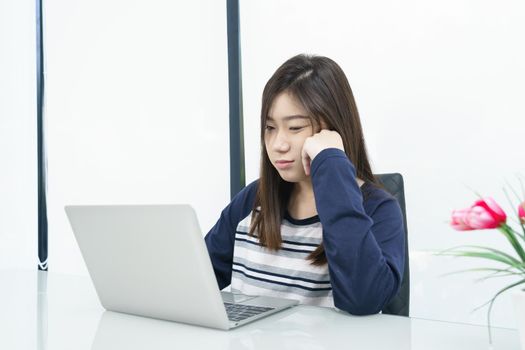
x,y
400,304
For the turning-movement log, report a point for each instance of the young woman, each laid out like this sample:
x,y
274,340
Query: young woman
x,y
315,226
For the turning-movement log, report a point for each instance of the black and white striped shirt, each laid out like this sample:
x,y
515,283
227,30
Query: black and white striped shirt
x,y
286,272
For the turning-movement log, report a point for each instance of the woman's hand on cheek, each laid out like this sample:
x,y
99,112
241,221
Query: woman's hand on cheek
x,y
318,142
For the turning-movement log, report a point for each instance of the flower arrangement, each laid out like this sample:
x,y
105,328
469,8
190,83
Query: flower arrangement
x,y
484,214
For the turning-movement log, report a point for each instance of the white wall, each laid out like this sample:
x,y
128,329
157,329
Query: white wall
x,y
18,152
137,113
439,87
137,110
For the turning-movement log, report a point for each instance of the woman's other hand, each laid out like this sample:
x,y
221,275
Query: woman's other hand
x,y
314,144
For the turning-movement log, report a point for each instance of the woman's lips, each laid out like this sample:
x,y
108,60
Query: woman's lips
x,y
283,164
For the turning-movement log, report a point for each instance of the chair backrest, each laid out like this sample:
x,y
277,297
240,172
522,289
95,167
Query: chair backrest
x,y
400,304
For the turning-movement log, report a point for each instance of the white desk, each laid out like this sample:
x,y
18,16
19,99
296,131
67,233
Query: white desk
x,y
51,311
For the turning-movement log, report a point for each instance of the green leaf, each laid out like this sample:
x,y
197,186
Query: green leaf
x,y
491,301
523,230
489,256
503,254
481,269
482,279
511,236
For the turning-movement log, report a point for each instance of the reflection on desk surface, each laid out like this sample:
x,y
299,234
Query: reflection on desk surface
x,y
303,327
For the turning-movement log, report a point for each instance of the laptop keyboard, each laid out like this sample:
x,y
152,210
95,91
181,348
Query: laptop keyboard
x,y
239,312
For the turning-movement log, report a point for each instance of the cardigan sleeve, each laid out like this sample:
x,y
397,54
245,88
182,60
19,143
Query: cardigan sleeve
x,y
365,251
221,237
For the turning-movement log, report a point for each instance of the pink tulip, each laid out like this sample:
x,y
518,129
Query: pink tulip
x,y
484,214
459,220
521,212
489,214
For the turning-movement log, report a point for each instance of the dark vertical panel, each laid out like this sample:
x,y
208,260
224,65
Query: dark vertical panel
x,y
42,205
237,172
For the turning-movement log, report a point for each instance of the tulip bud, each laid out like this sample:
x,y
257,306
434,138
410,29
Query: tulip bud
x,y
521,212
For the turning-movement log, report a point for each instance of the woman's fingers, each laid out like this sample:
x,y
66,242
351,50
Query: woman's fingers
x,y
305,158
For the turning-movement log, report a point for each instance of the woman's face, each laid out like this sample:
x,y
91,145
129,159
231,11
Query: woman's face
x,y
287,127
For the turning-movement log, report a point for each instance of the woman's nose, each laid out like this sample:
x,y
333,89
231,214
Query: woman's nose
x,y
281,143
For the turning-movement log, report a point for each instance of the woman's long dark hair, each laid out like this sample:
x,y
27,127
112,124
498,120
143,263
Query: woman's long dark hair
x,y
322,88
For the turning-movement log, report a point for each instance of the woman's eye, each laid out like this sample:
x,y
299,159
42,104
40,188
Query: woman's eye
x,y
292,128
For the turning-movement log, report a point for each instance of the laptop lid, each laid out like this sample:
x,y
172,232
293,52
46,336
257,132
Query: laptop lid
x,y
139,256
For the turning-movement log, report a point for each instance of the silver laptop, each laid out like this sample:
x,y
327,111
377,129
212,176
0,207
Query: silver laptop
x,y
151,260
